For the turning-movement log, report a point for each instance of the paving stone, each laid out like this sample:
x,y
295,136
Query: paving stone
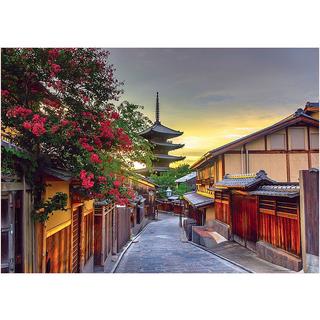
x,y
159,249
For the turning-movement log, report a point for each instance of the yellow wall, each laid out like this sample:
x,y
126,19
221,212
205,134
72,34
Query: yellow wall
x,y
314,160
273,164
87,206
256,145
59,216
298,161
232,163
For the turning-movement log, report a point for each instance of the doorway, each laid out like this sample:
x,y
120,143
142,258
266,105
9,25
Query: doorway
x,y
11,232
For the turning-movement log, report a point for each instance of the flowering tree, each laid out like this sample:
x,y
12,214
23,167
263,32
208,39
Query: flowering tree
x,y
56,103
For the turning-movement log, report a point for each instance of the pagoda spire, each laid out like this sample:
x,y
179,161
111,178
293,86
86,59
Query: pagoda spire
x,y
157,109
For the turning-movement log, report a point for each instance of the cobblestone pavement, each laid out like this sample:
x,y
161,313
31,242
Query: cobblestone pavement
x,y
160,249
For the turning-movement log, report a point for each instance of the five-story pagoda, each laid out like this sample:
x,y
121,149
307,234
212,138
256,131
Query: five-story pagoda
x,y
158,135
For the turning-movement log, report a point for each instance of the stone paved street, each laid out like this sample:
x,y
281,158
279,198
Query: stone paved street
x,y
160,249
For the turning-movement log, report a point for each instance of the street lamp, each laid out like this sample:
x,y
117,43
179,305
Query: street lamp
x,y
169,192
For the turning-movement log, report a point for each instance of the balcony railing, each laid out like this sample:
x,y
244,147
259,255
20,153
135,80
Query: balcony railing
x,y
205,181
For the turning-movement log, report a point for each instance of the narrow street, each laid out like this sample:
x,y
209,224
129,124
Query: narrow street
x,y
159,249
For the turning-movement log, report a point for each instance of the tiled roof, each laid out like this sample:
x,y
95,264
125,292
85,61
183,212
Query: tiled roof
x,y
142,177
244,181
58,173
11,145
312,104
159,128
288,191
197,200
168,145
168,156
187,177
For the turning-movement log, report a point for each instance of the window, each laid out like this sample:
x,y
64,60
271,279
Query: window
x,y
277,141
314,141
297,138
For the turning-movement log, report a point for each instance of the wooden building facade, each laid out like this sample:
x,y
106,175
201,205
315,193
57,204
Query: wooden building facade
x,y
262,215
261,211
65,242
282,150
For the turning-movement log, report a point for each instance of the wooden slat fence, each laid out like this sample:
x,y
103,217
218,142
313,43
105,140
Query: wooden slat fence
x,y
279,223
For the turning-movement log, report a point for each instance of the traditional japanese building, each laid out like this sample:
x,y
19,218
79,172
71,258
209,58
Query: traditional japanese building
x,y
158,135
249,190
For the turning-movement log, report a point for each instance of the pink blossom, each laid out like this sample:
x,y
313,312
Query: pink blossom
x,y
55,68
5,93
85,99
115,115
95,158
54,53
19,111
55,128
116,183
27,125
102,179
87,179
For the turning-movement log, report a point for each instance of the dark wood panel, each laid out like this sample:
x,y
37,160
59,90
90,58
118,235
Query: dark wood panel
x,y
310,186
123,227
279,223
244,217
98,240
222,207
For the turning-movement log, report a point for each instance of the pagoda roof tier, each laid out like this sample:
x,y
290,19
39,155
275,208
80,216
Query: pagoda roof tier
x,y
168,145
169,157
157,129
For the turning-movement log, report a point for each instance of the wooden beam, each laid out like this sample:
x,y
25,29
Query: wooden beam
x,y
58,228
265,143
287,156
274,151
44,247
223,166
309,148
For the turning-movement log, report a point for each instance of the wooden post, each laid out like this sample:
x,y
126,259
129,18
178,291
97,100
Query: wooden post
x,y
287,155
44,247
103,232
309,219
82,242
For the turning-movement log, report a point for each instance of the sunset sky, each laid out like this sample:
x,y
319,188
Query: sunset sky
x,y
217,95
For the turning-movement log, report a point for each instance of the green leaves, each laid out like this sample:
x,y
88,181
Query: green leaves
x,y
43,209
167,179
